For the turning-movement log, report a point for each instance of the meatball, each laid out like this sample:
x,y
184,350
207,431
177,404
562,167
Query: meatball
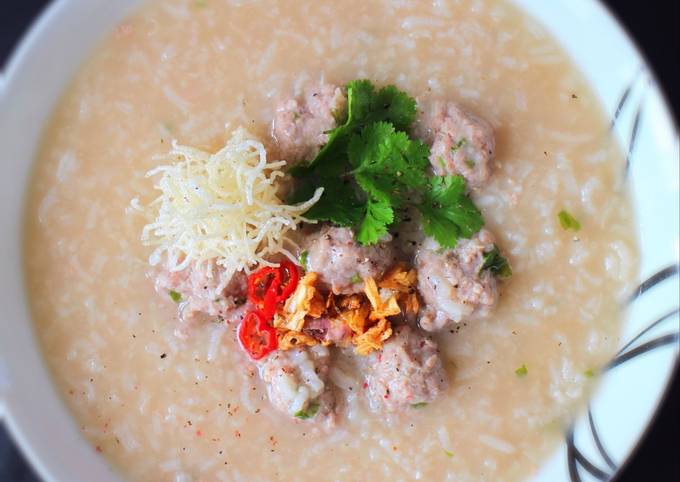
x,y
328,330
342,263
205,289
296,382
452,284
301,125
462,143
407,371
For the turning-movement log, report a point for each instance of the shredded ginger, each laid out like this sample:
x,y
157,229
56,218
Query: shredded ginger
x,y
222,207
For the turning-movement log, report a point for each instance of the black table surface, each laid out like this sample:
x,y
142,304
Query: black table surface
x,y
655,26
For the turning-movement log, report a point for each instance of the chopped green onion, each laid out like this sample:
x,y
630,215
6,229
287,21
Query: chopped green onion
x,y
311,411
419,405
470,163
589,373
458,145
176,297
167,125
567,221
356,278
522,371
448,453
303,259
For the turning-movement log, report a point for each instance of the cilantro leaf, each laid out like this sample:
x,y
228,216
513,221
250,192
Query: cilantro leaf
x,y
522,371
310,412
380,151
448,214
330,160
365,105
387,164
378,216
360,99
175,296
495,262
338,204
304,189
395,106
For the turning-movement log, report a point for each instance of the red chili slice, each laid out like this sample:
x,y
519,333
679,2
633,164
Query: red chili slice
x,y
263,288
289,277
257,337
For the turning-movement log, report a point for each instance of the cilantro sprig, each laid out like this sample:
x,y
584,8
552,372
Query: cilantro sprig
x,y
371,168
365,105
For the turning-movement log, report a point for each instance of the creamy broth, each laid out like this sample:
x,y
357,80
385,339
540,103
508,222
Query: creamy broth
x,y
161,408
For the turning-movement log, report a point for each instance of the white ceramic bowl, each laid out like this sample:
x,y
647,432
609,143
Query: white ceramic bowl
x,y
598,443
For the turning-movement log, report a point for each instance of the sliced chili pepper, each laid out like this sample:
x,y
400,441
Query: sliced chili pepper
x,y
257,337
267,308
263,286
289,277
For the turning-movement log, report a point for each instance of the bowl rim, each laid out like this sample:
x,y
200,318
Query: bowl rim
x,y
34,35
668,107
